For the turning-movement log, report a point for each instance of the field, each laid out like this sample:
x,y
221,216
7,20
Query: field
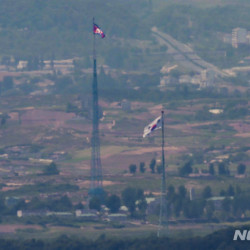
x,y
39,130
121,143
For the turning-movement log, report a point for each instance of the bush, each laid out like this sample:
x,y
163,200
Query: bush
x,y
207,192
186,169
132,168
241,168
51,169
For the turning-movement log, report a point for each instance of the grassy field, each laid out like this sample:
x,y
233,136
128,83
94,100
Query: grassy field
x,y
47,132
130,230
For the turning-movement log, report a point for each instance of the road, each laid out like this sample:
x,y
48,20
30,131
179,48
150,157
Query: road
x,y
184,55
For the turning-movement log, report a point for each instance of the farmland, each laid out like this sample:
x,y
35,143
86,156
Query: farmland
x,y
39,130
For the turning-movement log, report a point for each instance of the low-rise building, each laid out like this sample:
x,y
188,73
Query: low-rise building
x,y
26,213
117,217
87,214
239,36
217,200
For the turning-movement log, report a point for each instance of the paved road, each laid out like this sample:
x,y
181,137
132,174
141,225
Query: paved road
x,y
184,55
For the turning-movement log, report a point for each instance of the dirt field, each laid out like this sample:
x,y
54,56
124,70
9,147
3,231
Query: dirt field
x,y
13,228
38,117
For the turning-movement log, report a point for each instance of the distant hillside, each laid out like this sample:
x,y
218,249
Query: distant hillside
x,y
188,23
74,15
200,28
63,29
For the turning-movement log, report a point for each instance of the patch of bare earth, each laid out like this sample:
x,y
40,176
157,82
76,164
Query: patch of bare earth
x,y
86,183
154,149
241,128
13,228
45,117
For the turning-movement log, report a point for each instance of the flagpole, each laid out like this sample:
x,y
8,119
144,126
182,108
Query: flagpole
x,y
163,181
94,50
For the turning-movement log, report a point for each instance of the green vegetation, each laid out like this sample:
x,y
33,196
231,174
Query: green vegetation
x,y
113,203
47,117
222,239
132,168
196,26
51,169
41,188
65,28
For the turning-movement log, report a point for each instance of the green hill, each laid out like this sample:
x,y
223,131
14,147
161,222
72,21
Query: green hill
x,y
63,28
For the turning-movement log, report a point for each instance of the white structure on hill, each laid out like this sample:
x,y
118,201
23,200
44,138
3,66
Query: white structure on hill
x,y
207,78
239,36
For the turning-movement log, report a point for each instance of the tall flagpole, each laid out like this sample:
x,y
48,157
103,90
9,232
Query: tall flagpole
x,y
96,166
94,50
163,180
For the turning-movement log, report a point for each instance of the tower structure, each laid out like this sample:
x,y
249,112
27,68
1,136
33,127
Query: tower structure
x,y
96,166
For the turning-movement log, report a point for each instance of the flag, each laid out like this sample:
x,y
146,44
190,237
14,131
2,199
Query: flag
x,y
155,124
97,30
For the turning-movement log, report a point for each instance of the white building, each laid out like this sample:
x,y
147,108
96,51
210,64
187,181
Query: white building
x,y
192,194
239,36
22,65
207,78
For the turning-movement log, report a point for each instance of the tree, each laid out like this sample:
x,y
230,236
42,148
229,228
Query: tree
x,y
223,169
177,206
152,165
209,208
64,204
4,119
41,63
211,169
207,192
95,203
36,203
241,168
51,169
71,108
132,168
226,204
129,198
52,64
182,191
113,203
33,63
159,169
230,190
142,167
139,194
79,206
63,82
7,83
170,192
141,202
238,190
222,192
186,169
142,206
193,209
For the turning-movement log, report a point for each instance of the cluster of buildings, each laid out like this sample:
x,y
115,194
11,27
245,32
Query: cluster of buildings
x,y
62,65
238,37
82,214
206,78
